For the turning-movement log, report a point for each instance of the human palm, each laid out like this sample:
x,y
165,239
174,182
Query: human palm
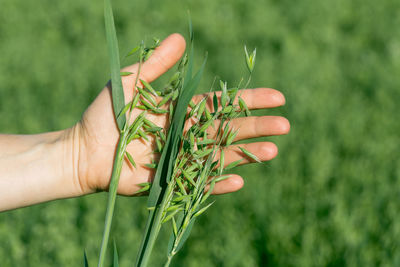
x,y
97,132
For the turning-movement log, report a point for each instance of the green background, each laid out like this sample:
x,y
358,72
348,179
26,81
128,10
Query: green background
x,y
330,198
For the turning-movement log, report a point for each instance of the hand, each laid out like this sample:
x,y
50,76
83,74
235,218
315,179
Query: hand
x,y
96,135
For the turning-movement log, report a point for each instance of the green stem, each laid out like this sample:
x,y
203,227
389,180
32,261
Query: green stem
x,y
116,173
248,81
172,253
153,227
168,261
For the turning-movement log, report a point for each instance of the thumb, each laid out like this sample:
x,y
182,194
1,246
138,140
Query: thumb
x,y
163,58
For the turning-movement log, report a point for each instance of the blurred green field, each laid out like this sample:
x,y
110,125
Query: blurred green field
x,y
330,198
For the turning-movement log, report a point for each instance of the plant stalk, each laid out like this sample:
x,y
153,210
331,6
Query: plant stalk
x,y
168,261
112,195
154,221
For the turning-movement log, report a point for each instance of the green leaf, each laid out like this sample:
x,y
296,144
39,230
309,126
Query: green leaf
x,y
125,73
130,158
191,34
208,114
210,189
250,155
171,111
115,261
206,125
250,59
182,198
145,184
175,78
174,207
224,94
231,137
243,106
202,107
149,123
117,90
151,165
174,227
192,104
85,260
133,51
181,187
118,101
147,96
225,131
221,178
143,135
194,110
125,109
144,187
203,210
171,215
149,87
138,122
159,111
154,129
162,136
227,109
232,94
159,145
175,95
189,177
147,104
205,141
202,153
165,99
215,102
221,162
232,165
186,234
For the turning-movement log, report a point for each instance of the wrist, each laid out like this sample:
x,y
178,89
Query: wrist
x,y
38,168
69,145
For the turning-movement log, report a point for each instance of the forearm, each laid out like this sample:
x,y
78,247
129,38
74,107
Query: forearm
x,y
37,168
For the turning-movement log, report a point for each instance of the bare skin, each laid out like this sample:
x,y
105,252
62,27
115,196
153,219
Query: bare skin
x,y
78,161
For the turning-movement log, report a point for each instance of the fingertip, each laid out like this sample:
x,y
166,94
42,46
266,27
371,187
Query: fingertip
x,y
284,125
237,182
164,57
176,45
178,38
277,97
269,151
232,184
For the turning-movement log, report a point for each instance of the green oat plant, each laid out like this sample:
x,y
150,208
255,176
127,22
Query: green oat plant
x,y
188,163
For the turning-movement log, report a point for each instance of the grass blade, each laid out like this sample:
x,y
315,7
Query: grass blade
x,y
186,234
85,260
115,261
118,99
126,73
215,102
250,155
191,34
117,90
130,158
203,210
133,51
149,87
233,165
